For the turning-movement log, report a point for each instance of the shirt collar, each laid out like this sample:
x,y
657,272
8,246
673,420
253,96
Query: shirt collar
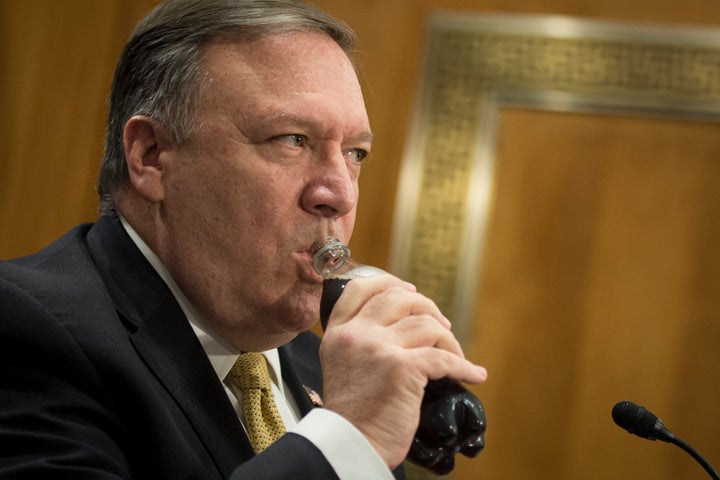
x,y
222,356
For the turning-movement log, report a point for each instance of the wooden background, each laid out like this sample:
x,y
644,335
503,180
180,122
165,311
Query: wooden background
x,y
601,278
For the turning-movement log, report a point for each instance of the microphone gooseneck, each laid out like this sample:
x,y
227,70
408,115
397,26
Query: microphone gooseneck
x,y
643,423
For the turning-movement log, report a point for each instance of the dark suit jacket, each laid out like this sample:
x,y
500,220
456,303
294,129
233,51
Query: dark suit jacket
x,y
101,375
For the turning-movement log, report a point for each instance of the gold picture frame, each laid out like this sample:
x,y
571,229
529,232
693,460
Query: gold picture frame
x,y
476,64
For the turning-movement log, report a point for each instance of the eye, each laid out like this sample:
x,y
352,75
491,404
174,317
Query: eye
x,y
356,155
292,139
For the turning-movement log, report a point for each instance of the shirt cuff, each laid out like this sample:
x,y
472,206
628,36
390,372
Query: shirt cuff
x,y
345,448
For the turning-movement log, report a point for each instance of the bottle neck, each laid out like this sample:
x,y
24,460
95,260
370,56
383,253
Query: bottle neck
x,y
330,257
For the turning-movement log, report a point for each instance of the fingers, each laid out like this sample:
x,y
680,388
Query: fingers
x,y
437,363
383,299
390,314
422,330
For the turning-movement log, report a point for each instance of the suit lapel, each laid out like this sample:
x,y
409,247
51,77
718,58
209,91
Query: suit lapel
x,y
301,370
165,341
172,352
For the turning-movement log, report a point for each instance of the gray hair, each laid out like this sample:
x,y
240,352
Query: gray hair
x,y
159,73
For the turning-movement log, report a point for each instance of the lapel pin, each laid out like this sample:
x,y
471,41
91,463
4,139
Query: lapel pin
x,y
314,396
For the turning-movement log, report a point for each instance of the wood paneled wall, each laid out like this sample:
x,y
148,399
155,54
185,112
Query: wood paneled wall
x,y
57,58
600,284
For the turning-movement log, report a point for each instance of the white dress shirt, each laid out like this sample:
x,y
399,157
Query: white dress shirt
x,y
346,449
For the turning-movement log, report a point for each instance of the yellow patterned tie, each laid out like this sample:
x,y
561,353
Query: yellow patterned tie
x,y
262,419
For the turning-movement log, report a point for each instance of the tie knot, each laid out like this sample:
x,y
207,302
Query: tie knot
x,y
251,372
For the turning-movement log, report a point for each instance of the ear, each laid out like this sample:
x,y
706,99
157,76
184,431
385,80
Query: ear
x,y
144,140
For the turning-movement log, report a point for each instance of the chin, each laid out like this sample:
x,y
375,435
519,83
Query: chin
x,y
300,321
295,311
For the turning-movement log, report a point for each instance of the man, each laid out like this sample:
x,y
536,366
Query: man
x,y
236,134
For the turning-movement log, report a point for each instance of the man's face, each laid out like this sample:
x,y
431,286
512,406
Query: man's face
x,y
273,167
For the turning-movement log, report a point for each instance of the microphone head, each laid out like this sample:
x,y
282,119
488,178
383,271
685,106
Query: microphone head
x,y
639,421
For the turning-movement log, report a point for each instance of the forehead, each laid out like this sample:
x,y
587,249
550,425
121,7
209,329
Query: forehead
x,y
299,70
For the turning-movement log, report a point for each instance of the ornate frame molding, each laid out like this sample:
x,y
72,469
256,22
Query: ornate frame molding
x,y
477,64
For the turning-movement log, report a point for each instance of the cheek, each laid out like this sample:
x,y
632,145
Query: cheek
x,y
235,195
265,201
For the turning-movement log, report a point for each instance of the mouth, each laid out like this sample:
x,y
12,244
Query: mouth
x,y
305,265
307,252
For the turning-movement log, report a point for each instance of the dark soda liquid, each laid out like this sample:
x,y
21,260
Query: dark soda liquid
x,y
332,288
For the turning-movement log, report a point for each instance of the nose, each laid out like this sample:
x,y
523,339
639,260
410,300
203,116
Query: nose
x,y
333,187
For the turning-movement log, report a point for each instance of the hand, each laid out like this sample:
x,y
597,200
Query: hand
x,y
383,342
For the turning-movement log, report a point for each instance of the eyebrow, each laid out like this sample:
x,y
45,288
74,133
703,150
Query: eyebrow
x,y
365,136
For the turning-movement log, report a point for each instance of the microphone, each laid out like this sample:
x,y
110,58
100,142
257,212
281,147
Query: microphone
x,y
638,421
641,422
